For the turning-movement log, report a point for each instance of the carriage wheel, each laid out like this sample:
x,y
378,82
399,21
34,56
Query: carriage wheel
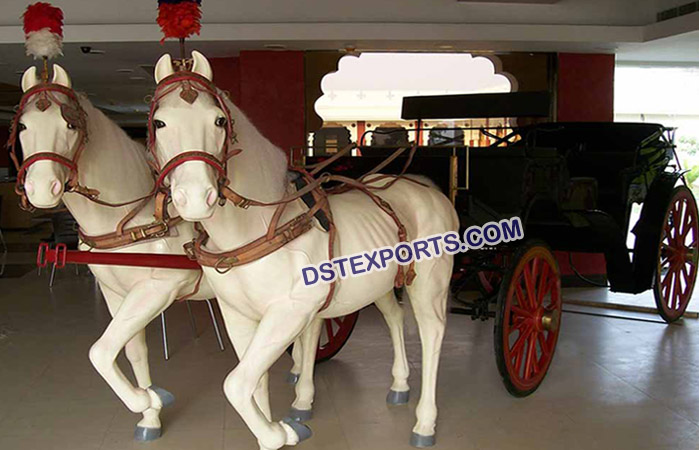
x,y
677,256
334,335
528,318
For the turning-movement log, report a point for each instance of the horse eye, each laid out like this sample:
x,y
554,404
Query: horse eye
x,y
159,123
21,127
221,122
71,126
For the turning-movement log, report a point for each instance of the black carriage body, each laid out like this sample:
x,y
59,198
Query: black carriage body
x,y
572,184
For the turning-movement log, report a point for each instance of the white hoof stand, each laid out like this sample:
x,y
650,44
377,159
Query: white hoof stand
x,y
397,397
420,441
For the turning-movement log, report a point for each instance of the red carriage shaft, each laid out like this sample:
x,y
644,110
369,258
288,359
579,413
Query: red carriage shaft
x,y
60,256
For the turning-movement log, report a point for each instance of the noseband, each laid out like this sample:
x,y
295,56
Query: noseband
x,y
74,115
192,84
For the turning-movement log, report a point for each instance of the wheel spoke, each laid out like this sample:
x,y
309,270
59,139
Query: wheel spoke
x,y
520,311
529,365
521,297
529,285
543,284
517,347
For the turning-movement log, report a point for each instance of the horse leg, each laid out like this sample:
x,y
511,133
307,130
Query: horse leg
x,y
302,408
140,306
297,356
394,315
137,355
428,296
280,325
240,331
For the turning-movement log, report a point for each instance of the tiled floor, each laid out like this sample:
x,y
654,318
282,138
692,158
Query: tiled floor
x,y
614,384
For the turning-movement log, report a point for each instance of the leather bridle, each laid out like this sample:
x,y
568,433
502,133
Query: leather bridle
x,y
74,115
191,84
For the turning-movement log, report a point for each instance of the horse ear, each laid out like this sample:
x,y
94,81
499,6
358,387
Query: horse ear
x,y
163,68
60,76
201,66
29,79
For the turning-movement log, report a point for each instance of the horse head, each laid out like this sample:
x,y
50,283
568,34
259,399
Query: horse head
x,y
190,131
51,126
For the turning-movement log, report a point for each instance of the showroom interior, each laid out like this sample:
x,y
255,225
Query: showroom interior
x,y
226,224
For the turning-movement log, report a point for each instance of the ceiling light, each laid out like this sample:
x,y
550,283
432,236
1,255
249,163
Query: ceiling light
x,y
445,47
124,70
137,78
275,46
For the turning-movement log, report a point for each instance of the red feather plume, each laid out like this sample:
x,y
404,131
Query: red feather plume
x,y
179,19
42,15
43,30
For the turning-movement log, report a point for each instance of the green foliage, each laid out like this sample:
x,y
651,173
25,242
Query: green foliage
x,y
688,145
692,175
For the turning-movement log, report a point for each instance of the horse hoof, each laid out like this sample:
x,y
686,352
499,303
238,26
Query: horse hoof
x,y
165,396
292,378
300,415
301,430
420,441
397,397
145,434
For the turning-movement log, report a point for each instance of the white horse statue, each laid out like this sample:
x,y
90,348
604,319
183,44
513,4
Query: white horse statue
x,y
265,303
116,166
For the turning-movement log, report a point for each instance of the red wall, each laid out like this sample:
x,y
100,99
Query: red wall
x,y
585,87
585,94
269,87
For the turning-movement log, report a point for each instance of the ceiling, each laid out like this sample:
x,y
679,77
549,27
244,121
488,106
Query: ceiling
x,y
126,32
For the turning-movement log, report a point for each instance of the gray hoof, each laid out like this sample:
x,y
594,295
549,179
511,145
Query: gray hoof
x,y
166,397
300,415
292,378
301,430
146,434
420,441
397,398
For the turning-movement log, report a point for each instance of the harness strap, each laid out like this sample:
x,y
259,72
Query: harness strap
x,y
130,236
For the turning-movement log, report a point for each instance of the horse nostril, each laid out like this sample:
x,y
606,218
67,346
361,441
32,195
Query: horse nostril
x,y
179,197
56,187
29,187
211,196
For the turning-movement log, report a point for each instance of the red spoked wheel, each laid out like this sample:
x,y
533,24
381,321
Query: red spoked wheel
x,y
334,335
677,256
528,318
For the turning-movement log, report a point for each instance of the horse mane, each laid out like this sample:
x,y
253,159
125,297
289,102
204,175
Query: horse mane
x,y
112,162
259,171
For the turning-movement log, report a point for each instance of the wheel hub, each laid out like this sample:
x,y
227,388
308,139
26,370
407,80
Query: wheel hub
x,y
550,320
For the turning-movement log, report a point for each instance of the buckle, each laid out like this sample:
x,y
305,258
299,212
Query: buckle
x,y
164,232
135,234
189,250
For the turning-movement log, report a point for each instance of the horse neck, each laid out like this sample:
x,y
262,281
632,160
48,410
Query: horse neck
x,y
116,166
259,172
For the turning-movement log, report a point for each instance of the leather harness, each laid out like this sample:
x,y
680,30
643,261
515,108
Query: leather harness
x,y
310,189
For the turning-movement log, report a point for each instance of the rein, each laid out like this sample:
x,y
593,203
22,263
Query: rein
x,y
277,235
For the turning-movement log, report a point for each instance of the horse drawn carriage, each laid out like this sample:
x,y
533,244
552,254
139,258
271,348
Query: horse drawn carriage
x,y
573,186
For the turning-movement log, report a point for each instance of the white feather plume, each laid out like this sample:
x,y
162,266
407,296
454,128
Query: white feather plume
x,y
43,43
